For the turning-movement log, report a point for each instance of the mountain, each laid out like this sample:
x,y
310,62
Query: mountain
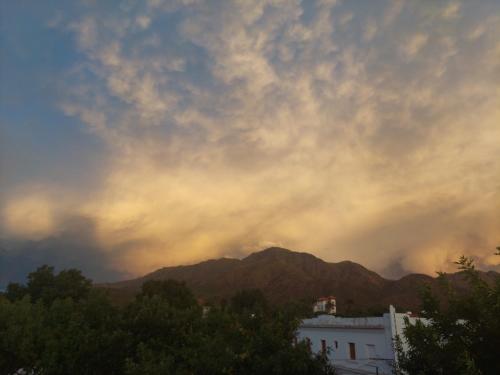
x,y
284,275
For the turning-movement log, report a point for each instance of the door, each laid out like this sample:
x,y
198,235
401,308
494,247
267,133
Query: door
x,y
352,350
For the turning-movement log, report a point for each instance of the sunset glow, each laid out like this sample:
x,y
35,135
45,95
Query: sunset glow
x,y
159,133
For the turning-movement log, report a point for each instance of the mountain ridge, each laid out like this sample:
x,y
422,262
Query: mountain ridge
x,y
284,275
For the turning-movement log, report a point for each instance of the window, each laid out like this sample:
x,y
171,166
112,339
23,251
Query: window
x,y
352,350
308,342
323,347
370,351
336,343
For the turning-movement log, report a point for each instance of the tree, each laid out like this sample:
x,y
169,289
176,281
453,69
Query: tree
x,y
175,292
44,285
247,337
72,284
15,291
463,334
57,324
249,301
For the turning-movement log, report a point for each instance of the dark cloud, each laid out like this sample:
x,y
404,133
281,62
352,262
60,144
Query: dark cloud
x,y
74,247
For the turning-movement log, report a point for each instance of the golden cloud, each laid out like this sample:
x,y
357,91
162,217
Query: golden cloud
x,y
371,142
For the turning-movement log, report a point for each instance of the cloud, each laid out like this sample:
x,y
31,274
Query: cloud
x,y
343,130
392,11
143,21
414,44
74,246
370,30
29,216
452,10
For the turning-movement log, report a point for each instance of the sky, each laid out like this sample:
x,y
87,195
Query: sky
x,y
141,134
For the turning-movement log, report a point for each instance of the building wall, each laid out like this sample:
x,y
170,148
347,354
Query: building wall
x,y
361,338
379,332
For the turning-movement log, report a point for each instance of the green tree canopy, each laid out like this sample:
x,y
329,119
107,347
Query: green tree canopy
x,y
463,334
250,301
175,292
59,324
46,286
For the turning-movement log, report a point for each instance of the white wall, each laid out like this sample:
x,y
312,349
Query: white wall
x,y
360,331
378,331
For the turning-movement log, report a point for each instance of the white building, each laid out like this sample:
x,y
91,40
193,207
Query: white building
x,y
356,345
327,305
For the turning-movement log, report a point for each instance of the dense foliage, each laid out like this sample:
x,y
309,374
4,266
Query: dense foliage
x,y
60,324
463,331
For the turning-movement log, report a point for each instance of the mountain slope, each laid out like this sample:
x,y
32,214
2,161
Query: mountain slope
x,y
284,275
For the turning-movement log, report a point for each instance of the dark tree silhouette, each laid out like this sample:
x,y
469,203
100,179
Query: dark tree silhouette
x,y
463,336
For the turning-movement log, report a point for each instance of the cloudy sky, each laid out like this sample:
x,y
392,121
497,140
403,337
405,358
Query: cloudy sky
x,y
140,134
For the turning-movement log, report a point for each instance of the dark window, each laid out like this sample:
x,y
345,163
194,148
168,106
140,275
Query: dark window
x,y
323,346
308,342
352,350
336,344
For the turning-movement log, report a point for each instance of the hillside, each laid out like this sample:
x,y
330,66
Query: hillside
x,y
285,275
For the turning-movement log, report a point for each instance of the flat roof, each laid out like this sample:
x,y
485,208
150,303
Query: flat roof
x,y
342,326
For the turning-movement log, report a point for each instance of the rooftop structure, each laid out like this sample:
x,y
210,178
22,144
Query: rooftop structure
x,y
327,305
